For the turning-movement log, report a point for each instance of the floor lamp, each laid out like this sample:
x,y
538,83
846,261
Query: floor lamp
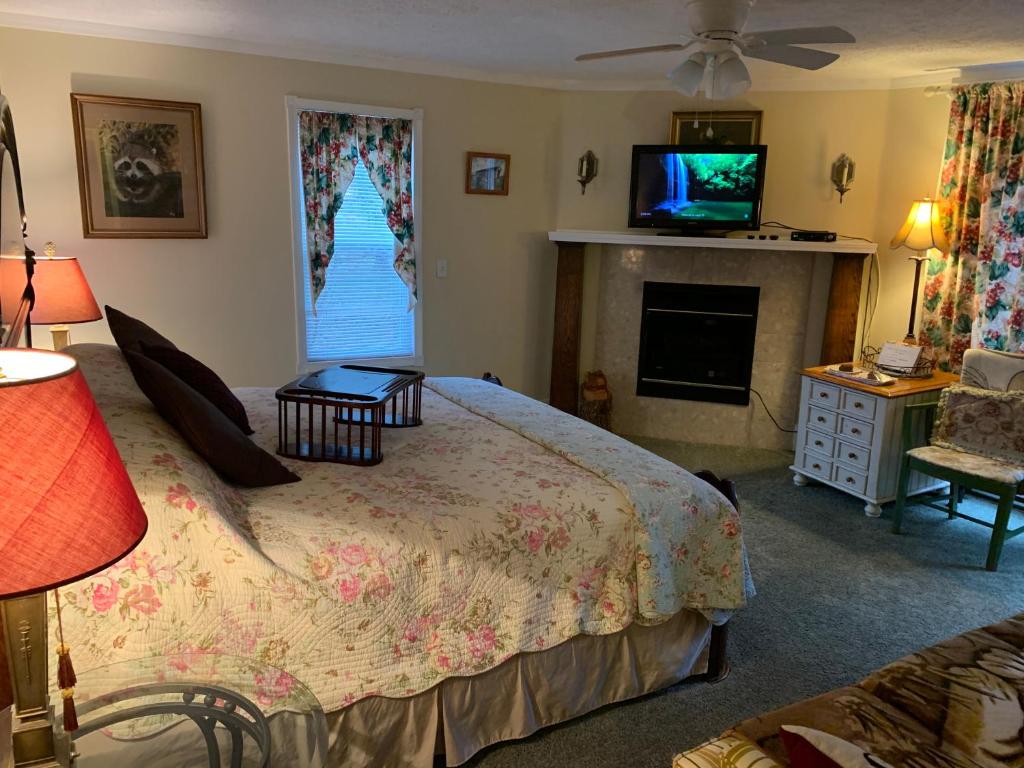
x,y
67,510
920,232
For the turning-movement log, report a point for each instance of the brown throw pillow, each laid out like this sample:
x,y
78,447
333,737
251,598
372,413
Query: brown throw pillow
x,y
210,433
130,333
202,380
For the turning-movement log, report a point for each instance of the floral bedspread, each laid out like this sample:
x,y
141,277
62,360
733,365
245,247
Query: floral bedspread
x,y
471,542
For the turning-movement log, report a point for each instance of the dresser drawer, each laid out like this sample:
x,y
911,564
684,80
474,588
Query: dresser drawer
x,y
820,419
855,430
819,443
850,479
856,404
853,455
817,466
824,395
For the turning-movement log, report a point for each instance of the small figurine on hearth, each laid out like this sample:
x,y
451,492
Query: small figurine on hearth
x,y
596,400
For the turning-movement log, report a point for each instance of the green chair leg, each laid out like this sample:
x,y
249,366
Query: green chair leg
x,y
995,547
901,494
954,499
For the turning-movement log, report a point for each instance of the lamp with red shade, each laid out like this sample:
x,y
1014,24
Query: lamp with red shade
x,y
62,294
67,510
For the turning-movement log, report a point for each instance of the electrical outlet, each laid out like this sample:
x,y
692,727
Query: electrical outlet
x,y
442,268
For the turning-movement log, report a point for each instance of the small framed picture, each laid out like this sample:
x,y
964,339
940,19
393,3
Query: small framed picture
x,y
140,167
487,174
720,128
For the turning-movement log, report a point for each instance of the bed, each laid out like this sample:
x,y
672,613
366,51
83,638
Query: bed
x,y
505,567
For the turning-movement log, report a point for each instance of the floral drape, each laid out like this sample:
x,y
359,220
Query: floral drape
x,y
385,146
331,146
329,153
974,295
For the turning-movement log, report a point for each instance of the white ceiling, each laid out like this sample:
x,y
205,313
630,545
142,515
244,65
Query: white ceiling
x,y
900,42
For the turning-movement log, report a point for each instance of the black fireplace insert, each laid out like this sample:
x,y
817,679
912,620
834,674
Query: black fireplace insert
x,y
697,342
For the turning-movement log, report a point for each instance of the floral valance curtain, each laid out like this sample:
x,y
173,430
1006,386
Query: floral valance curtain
x,y
974,295
331,145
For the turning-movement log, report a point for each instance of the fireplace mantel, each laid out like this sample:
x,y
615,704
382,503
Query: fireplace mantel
x,y
735,242
840,327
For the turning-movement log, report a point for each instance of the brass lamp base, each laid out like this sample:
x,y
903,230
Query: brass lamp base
x,y
23,625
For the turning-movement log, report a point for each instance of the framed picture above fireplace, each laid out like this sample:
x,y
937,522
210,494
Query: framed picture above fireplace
x,y
720,128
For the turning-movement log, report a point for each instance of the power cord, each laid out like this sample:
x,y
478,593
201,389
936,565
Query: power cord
x,y
765,406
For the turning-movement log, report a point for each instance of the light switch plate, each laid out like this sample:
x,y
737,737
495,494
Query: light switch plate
x,y
442,268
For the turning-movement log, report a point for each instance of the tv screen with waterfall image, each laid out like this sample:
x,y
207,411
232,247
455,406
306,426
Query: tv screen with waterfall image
x,y
699,188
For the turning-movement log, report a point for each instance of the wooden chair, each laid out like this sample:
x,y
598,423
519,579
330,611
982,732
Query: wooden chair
x,y
949,456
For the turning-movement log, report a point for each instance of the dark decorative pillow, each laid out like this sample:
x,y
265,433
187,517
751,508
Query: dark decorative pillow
x,y
210,433
202,380
130,333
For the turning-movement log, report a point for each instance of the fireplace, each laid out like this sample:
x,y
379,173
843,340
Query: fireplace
x,y
697,342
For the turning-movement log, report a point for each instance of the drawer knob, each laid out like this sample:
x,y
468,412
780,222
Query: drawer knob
x,y
855,431
816,466
858,404
821,419
818,443
850,480
851,455
823,394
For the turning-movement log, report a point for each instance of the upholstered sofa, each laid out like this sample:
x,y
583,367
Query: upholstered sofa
x,y
957,703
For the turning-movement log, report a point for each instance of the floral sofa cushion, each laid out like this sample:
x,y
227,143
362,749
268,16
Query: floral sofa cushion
x,y
983,422
728,751
957,704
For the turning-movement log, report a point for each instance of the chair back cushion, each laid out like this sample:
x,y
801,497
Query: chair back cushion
x,y
988,369
984,422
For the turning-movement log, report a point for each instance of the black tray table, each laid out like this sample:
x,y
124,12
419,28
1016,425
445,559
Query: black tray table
x,y
338,414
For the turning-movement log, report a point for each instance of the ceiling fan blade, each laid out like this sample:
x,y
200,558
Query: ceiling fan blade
x,y
799,36
633,51
792,56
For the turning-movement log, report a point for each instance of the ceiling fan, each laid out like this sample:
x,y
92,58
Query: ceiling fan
x,y
717,30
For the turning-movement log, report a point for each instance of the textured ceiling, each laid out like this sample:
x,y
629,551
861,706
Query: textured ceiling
x,y
536,40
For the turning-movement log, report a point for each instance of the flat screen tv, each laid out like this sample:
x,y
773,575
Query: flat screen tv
x,y
697,187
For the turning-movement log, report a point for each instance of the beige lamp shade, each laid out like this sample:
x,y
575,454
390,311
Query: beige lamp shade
x,y
922,229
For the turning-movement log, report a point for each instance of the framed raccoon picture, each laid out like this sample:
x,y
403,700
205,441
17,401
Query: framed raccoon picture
x,y
140,167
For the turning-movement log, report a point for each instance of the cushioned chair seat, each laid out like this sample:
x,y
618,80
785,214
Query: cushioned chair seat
x,y
979,466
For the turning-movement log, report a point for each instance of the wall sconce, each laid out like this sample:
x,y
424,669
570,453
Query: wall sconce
x,y
842,174
586,170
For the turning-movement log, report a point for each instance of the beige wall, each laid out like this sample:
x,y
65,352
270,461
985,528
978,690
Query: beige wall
x,y
230,299
915,133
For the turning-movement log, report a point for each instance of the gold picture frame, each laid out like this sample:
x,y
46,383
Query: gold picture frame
x,y
487,173
727,127
140,167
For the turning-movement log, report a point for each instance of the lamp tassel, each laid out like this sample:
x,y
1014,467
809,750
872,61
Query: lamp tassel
x,y
66,678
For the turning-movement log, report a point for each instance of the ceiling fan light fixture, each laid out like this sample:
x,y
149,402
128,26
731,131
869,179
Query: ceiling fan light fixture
x,y
687,77
731,77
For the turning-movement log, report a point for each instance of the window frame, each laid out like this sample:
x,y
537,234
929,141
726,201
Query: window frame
x,y
300,271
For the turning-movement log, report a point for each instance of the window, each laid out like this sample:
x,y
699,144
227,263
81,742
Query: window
x,y
363,311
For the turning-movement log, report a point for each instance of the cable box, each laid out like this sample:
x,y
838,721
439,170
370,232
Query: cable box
x,y
813,236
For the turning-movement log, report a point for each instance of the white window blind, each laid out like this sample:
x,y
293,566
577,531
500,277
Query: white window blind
x,y
363,311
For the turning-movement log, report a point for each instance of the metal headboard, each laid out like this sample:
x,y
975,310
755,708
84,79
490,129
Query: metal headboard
x,y
21,324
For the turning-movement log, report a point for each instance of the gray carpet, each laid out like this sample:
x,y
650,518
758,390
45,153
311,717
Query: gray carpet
x,y
838,596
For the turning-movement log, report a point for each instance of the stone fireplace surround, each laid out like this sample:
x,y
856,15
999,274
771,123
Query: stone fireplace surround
x,y
789,334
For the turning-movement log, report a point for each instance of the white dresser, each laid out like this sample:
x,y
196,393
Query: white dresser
x,y
849,434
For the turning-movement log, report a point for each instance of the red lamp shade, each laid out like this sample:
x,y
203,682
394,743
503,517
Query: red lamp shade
x,y
67,505
62,292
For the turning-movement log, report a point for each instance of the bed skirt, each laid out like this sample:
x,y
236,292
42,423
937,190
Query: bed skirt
x,y
462,715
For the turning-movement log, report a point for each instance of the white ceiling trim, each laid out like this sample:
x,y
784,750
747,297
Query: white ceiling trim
x,y
328,55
